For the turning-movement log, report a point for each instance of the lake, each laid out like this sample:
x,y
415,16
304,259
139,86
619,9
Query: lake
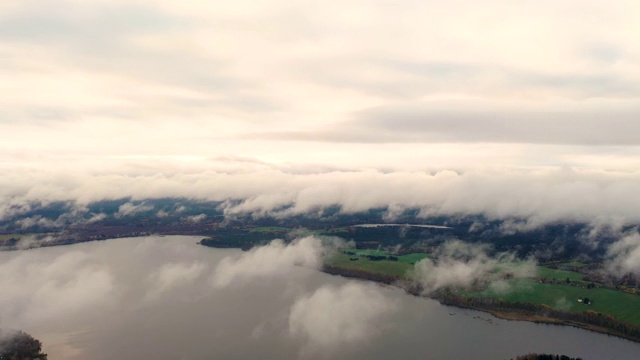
x,y
169,298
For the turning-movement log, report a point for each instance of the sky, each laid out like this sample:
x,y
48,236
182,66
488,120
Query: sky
x,y
196,92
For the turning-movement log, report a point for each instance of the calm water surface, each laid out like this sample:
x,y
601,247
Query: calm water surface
x,y
153,298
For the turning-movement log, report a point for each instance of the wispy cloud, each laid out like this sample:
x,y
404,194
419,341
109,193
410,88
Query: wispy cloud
x,y
463,265
332,316
624,255
274,259
171,276
55,289
168,78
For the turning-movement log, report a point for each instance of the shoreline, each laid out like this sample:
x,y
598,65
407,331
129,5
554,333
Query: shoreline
x,y
541,319
503,314
509,314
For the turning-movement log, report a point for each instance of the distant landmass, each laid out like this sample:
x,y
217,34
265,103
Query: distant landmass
x,y
568,281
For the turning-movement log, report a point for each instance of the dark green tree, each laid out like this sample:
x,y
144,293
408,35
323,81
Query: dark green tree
x,y
18,345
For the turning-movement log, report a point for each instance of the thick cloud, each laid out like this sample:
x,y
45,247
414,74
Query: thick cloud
x,y
129,209
459,264
125,78
276,258
334,316
625,255
173,275
536,195
461,107
467,123
196,218
35,289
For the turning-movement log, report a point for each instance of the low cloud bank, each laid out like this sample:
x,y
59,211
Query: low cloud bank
x,y
325,318
333,316
129,209
624,255
172,275
274,259
461,264
51,288
536,196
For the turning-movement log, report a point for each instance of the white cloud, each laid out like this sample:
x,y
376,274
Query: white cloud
x,y
33,241
196,218
109,99
167,77
37,220
459,264
334,316
625,255
53,288
274,259
171,276
96,217
129,209
537,196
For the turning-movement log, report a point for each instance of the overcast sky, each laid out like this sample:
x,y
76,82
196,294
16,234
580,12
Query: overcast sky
x,y
163,87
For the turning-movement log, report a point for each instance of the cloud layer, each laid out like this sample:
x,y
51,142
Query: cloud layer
x,y
274,259
462,265
334,316
625,255
536,195
157,78
38,290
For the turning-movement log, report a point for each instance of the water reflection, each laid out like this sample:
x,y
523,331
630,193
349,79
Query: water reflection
x,y
154,297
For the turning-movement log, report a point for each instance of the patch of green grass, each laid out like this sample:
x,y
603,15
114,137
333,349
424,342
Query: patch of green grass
x,y
370,252
412,258
549,273
623,306
574,264
385,267
407,258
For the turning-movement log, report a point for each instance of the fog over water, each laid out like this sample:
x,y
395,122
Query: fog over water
x,y
162,298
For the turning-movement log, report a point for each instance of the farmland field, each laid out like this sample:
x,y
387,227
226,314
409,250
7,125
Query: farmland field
x,y
623,306
385,267
549,273
561,296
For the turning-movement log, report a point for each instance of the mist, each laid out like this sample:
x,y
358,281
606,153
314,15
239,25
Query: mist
x,y
273,259
461,265
535,196
624,255
154,297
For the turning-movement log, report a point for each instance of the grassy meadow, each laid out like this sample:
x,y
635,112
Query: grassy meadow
x,y
358,261
558,295
623,306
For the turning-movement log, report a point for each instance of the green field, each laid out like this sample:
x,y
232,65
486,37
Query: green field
x,y
385,267
549,273
408,258
623,306
412,258
574,264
